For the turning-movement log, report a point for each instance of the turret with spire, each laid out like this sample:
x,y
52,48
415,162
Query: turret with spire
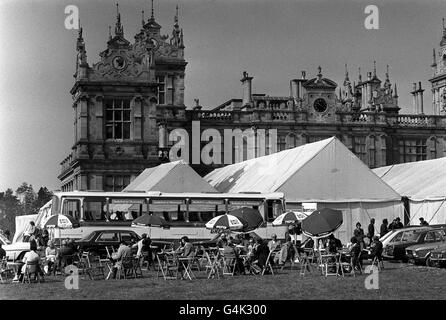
x,y
348,91
119,29
176,32
387,84
81,59
443,38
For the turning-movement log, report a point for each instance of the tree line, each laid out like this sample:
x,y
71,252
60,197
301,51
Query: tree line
x,y
23,201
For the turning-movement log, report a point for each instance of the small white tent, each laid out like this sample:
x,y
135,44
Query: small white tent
x,y
325,172
424,184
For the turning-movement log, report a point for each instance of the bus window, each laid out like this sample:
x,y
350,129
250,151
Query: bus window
x,y
71,207
194,216
166,216
270,214
177,216
94,209
277,209
206,216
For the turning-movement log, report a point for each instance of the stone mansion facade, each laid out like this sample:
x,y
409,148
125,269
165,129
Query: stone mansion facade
x,y
126,105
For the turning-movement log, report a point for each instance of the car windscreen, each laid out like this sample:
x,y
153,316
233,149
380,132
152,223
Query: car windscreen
x,y
411,236
88,237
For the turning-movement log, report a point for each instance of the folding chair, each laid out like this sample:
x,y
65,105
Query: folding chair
x,y
229,265
31,268
268,266
137,266
5,271
95,267
126,268
212,265
167,267
306,261
330,262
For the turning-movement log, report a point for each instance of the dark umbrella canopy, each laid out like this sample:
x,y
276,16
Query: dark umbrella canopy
x,y
250,215
150,220
322,222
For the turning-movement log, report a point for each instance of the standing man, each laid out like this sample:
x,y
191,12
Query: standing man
x,y
383,229
371,230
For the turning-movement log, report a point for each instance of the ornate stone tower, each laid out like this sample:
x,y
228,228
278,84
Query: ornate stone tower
x,y
438,79
120,103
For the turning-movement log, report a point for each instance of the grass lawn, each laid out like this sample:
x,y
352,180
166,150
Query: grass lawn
x,y
396,281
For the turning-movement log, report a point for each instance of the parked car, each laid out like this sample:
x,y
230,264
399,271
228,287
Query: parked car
x,y
419,253
16,251
437,258
396,235
96,241
396,250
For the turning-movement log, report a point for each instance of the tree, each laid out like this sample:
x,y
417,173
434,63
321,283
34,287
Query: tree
x,y
27,198
43,196
9,209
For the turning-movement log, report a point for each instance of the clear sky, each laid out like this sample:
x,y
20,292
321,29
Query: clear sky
x,y
272,40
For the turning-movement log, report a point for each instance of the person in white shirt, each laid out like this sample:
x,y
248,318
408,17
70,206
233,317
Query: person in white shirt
x,y
140,245
30,256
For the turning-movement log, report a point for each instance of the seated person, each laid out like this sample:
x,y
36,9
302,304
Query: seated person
x,y
260,256
307,244
29,232
274,244
230,252
123,251
286,252
334,244
376,249
64,255
50,254
30,256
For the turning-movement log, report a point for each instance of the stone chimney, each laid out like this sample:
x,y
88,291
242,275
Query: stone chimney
x,y
296,87
415,99
420,98
247,88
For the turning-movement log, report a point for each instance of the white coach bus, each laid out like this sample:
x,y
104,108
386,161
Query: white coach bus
x,y
186,213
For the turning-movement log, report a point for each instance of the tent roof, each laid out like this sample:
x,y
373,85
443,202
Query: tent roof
x,y
174,177
421,180
323,171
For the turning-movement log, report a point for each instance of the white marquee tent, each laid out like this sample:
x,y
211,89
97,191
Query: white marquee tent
x,y
325,172
170,177
424,184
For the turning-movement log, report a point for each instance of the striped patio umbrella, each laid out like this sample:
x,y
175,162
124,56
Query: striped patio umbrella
x,y
61,221
289,217
227,221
